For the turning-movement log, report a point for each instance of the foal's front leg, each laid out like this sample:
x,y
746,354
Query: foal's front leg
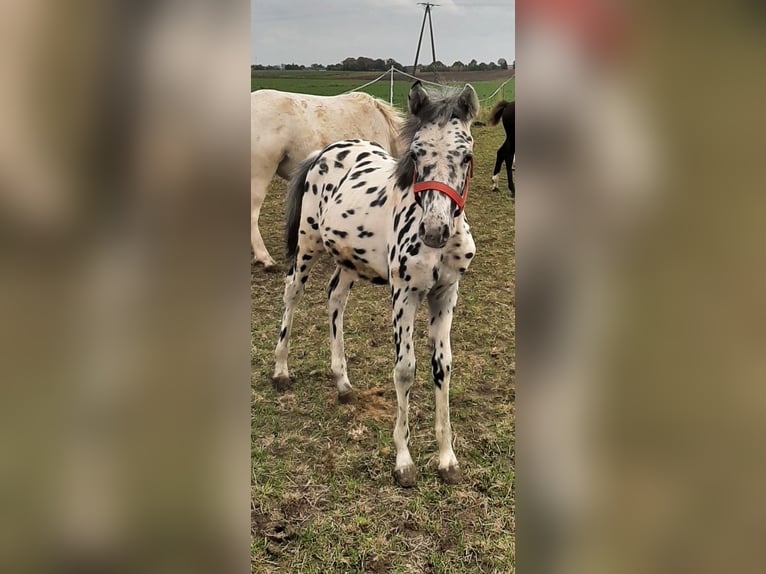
x,y
405,305
441,304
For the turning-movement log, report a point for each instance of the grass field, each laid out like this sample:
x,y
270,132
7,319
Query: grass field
x,y
324,498
333,83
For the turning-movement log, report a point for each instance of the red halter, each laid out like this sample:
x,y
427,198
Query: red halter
x,y
445,189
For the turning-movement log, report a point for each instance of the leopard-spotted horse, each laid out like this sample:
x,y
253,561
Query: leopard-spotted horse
x,y
390,220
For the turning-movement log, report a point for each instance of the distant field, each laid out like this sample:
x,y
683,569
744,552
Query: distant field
x,y
333,83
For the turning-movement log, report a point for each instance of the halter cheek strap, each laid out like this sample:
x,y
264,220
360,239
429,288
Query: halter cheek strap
x,y
456,198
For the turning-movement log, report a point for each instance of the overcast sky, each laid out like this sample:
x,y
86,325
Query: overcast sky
x,y
327,31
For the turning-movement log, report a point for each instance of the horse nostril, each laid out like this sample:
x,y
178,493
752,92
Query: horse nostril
x,y
422,230
445,232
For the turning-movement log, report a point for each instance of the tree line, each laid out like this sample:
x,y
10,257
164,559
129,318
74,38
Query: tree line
x,y
363,64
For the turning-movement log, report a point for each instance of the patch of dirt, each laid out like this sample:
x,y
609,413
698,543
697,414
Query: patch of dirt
x,y
373,404
411,528
377,564
258,522
328,461
447,541
295,507
283,524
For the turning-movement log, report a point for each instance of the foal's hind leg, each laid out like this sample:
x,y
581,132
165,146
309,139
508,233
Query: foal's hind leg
x,y
294,284
498,164
337,295
441,304
258,186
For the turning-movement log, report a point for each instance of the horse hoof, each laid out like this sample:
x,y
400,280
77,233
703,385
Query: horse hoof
x,y
281,383
269,266
451,475
347,398
406,477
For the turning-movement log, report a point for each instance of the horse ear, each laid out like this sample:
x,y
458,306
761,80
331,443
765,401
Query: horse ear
x,y
468,102
417,98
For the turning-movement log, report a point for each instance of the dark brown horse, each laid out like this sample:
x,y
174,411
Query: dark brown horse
x,y
506,111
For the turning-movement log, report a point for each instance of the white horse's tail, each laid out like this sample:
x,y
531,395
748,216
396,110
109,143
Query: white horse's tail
x,y
394,121
293,202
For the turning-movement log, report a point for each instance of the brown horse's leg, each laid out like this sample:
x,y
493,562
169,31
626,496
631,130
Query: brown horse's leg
x,y
510,152
501,155
509,124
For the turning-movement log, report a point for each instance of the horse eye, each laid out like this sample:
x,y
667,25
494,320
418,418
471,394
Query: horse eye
x,y
413,155
468,158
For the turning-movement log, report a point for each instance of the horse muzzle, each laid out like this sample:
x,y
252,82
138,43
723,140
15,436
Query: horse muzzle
x,y
435,236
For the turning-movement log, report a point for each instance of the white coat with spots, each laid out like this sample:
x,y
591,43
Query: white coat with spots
x,y
359,204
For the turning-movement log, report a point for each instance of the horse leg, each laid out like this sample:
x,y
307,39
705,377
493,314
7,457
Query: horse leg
x,y
294,284
404,308
498,164
337,295
258,186
440,306
509,165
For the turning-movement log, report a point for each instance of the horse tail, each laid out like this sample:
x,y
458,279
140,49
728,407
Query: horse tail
x,y
394,121
293,203
497,112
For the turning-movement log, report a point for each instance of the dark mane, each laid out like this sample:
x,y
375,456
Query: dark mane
x,y
440,108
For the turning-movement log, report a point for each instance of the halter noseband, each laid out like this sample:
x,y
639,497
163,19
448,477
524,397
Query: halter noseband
x,y
456,198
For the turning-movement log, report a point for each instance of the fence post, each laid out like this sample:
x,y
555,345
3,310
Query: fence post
x,y
391,96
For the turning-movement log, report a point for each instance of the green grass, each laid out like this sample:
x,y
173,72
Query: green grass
x,y
324,498
333,83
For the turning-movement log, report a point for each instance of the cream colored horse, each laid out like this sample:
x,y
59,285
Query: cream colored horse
x,y
285,128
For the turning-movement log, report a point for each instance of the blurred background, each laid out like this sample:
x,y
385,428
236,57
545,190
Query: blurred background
x,y
124,426
124,261
640,379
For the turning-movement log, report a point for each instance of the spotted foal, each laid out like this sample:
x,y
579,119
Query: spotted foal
x,y
396,221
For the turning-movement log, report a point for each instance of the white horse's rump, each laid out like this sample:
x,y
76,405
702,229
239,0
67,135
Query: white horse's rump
x,y
285,128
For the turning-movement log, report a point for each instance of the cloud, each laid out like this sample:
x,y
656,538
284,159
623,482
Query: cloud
x,y
306,32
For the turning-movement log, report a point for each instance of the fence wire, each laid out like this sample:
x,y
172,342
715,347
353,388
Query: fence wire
x,y
393,70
